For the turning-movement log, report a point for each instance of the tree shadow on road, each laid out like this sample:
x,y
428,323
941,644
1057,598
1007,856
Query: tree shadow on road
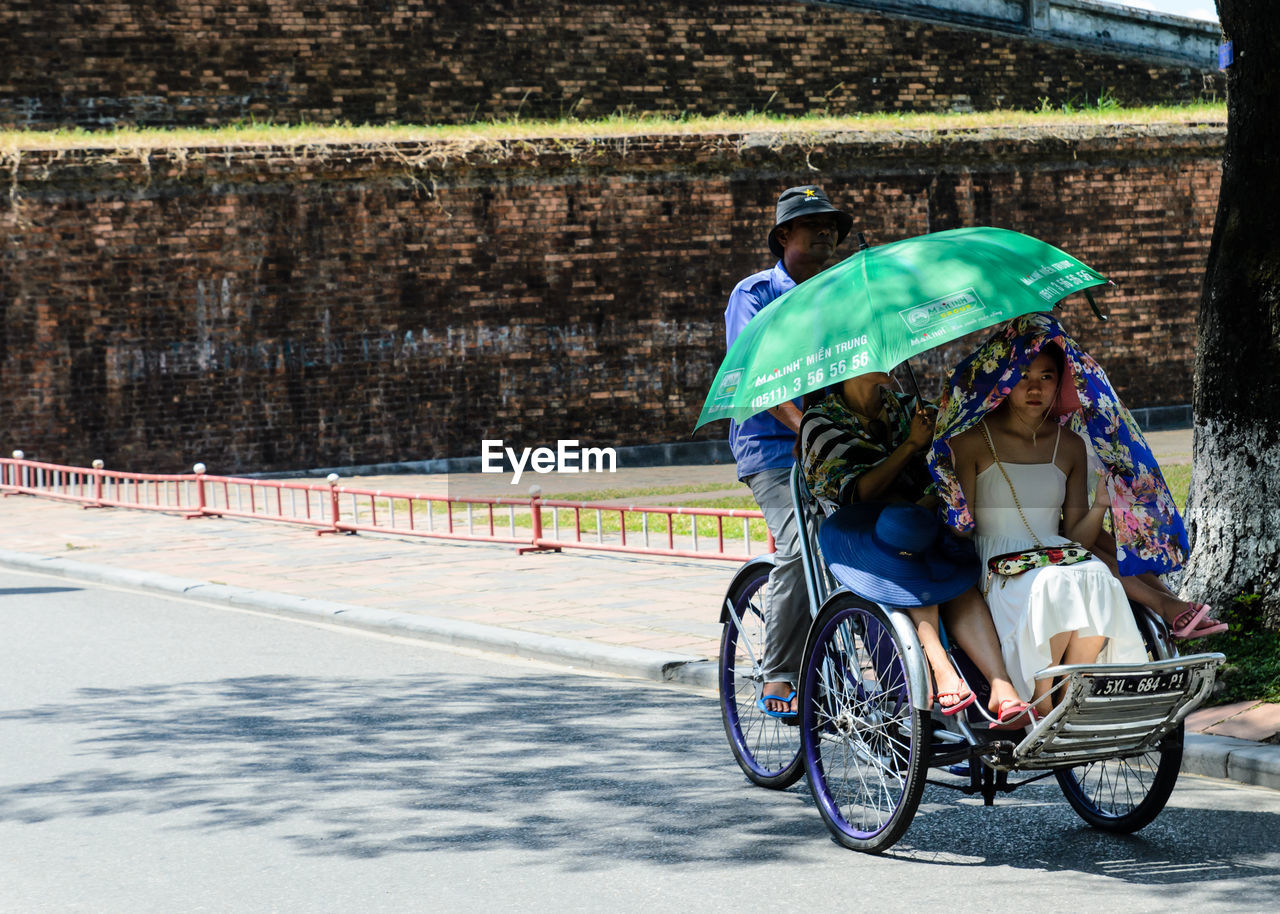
x,y
592,770
585,767
1207,835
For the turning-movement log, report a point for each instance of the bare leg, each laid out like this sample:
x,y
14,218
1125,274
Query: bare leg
x,y
1042,696
1082,649
1066,648
949,688
969,623
1146,589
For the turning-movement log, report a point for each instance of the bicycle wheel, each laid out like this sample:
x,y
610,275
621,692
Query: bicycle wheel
x,y
1123,795
865,747
767,749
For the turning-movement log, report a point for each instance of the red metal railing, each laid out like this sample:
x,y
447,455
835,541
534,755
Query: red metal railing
x,y
327,507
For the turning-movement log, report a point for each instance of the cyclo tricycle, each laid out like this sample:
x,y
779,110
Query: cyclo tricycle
x,y
866,736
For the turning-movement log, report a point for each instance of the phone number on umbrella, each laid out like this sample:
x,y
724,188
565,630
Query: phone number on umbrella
x,y
836,371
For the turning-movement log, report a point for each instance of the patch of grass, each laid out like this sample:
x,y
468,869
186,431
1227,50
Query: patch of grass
x,y
594,495
1104,110
1178,477
606,523
1252,669
616,494
1105,101
682,525
729,502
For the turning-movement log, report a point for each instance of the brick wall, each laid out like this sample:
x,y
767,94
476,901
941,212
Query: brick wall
x,y
267,308
426,61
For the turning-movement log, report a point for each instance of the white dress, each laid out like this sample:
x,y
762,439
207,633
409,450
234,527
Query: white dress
x,y
1034,606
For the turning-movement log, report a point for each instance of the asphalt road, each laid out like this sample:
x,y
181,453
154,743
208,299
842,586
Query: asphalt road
x,y
164,755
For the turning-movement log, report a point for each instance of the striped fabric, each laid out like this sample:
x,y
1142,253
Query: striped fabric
x,y
836,449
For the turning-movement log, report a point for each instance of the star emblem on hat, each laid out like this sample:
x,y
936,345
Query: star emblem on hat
x,y
811,193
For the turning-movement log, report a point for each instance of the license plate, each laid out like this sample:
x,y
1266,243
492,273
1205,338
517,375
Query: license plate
x,y
1141,683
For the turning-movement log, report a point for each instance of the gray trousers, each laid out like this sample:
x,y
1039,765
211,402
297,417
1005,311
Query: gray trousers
x,y
786,603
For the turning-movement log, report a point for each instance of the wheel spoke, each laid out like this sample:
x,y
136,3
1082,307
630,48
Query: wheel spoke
x,y
1122,794
860,729
766,748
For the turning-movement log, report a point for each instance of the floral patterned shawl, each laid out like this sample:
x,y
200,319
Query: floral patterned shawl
x,y
1149,532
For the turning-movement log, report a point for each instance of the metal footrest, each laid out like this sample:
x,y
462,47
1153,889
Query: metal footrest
x,y
1115,709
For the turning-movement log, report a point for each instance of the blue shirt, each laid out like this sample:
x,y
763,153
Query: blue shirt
x,y
761,442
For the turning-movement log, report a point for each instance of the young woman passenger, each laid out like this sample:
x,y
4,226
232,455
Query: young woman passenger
x,y
1026,482
861,442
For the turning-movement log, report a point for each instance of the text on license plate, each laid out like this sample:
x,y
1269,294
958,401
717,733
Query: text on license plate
x,y
1169,681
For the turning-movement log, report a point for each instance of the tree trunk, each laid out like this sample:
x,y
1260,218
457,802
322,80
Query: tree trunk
x,y
1234,511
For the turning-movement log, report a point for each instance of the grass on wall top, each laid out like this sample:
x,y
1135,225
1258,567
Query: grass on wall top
x,y
1099,113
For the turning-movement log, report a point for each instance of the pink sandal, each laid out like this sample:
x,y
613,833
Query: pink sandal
x,y
961,703
1010,710
1008,713
1195,622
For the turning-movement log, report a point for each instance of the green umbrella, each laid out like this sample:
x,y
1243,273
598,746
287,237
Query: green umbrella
x,y
876,309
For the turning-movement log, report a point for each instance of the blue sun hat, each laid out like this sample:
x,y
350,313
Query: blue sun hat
x,y
897,554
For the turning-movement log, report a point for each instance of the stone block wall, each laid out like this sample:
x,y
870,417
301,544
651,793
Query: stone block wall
x,y
195,62
265,308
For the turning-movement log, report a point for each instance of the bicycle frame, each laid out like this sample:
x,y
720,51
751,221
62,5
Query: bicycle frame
x,y
821,589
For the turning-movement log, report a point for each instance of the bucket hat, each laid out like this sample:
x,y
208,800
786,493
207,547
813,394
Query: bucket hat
x,y
897,554
801,201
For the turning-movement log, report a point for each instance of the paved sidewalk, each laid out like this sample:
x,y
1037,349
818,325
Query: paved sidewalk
x,y
660,604
633,615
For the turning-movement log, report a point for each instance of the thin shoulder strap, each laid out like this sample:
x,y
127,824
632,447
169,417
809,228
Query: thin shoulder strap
x,y
1054,458
986,433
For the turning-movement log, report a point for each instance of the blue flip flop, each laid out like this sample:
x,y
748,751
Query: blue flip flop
x,y
781,715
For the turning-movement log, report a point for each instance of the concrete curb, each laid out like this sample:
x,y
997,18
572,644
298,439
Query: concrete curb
x,y
1220,757
624,661
1228,758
